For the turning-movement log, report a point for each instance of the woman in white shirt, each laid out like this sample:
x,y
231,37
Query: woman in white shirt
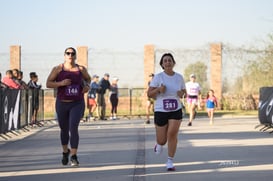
x,y
193,93
167,88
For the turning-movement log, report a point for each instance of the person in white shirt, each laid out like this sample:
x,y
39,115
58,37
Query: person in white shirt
x,y
193,93
167,88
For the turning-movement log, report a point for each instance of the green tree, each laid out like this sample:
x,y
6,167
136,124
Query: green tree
x,y
260,72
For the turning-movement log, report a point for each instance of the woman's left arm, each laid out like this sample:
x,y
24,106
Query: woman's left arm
x,y
86,79
181,93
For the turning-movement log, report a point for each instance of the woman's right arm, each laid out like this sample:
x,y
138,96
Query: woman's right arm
x,y
154,91
51,79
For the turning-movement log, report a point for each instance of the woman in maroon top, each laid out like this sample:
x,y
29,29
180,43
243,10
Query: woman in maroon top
x,y
72,81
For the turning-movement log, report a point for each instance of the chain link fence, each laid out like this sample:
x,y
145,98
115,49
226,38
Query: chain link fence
x,y
128,67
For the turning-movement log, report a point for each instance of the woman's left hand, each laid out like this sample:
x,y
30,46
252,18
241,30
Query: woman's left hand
x,y
180,93
85,89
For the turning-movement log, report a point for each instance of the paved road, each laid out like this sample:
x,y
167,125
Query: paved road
x,y
231,149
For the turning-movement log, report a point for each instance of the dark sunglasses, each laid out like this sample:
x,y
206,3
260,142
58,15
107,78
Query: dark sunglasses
x,y
70,53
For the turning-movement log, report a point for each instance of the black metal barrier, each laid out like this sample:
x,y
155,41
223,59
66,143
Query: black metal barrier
x,y
266,106
266,109
16,106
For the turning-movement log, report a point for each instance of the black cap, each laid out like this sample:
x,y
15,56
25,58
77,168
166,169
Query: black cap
x,y
33,74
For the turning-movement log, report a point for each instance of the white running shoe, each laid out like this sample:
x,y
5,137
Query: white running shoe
x,y
169,165
158,149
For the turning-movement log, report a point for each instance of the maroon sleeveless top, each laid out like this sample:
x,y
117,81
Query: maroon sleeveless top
x,y
74,90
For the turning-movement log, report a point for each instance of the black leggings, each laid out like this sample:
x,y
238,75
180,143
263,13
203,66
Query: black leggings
x,y
114,103
69,115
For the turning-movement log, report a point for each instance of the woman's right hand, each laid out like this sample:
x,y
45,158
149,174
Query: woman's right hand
x,y
65,82
162,88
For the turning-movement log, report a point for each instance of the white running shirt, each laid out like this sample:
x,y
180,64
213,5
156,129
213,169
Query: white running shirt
x,y
193,88
168,101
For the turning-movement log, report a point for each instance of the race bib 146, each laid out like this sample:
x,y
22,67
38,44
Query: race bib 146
x,y
72,90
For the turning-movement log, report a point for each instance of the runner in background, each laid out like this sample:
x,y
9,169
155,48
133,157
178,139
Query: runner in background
x,y
150,101
211,104
193,93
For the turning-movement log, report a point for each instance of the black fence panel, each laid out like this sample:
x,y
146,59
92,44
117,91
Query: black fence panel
x,y
266,106
10,110
15,106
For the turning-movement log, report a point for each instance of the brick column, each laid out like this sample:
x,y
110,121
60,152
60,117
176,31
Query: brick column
x,y
149,62
82,56
15,57
216,69
82,59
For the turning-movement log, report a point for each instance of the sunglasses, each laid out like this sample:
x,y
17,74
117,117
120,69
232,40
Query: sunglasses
x,y
70,53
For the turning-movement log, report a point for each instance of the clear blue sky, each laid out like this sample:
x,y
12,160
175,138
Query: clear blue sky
x,y
52,25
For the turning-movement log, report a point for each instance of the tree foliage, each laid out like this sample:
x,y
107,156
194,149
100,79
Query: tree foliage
x,y
259,73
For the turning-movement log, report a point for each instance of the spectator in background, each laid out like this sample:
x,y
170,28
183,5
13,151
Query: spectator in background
x,y
15,73
104,85
2,85
92,96
114,98
7,80
34,88
150,101
20,80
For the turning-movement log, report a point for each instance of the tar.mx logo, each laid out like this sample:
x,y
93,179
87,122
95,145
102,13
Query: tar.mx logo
x,y
229,163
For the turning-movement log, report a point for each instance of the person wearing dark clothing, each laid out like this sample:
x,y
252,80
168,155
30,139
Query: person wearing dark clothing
x,y
34,89
71,81
92,96
20,80
3,85
104,85
114,98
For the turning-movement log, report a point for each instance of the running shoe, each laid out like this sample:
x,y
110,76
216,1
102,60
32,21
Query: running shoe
x,y
158,149
74,160
65,157
169,166
189,124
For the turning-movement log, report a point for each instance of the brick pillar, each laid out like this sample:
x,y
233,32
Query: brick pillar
x,y
15,57
82,56
216,69
149,62
82,59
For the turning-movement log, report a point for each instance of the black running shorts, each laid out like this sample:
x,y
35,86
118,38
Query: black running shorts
x,y
162,118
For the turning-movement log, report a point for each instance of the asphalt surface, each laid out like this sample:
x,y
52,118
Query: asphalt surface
x,y
231,149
